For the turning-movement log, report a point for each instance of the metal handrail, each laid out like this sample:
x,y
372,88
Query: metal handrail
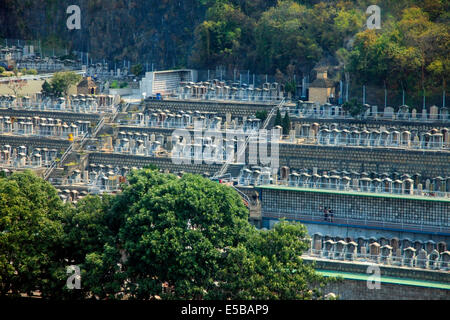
x,y
244,146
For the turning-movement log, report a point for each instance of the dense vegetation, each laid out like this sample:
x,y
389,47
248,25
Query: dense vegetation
x,y
283,37
60,83
167,237
287,37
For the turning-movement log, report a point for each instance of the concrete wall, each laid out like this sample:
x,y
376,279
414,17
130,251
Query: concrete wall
x,y
385,271
302,204
357,290
65,116
427,163
350,289
121,92
319,95
34,142
237,109
31,87
128,160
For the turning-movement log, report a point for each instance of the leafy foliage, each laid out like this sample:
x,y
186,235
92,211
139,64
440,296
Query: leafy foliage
x,y
353,108
30,234
176,238
137,69
286,124
60,83
259,35
262,115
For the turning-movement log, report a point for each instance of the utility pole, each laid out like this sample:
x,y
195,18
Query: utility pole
x,y
364,94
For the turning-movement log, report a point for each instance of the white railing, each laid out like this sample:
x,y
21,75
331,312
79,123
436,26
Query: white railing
x,y
378,116
390,260
396,191
373,143
225,98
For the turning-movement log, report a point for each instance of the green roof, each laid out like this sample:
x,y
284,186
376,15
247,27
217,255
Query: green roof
x,y
385,279
353,193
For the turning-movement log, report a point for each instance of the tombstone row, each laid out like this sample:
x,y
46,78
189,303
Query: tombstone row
x,y
366,182
220,90
24,156
394,252
308,109
42,126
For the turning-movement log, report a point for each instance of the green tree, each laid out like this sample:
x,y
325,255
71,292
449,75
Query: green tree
x,y
86,228
224,37
189,234
286,124
174,231
47,89
353,108
30,235
137,69
87,240
261,115
268,266
61,81
284,35
278,119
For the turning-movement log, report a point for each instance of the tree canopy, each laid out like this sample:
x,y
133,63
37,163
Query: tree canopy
x,y
60,83
163,236
30,234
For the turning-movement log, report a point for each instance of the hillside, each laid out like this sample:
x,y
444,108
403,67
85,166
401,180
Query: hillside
x,y
275,37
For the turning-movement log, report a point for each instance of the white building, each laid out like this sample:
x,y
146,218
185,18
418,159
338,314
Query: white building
x,y
165,82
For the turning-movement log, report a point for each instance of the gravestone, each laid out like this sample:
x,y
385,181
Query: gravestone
x,y
375,111
442,247
398,257
329,248
430,246
228,117
444,114
424,114
433,259
351,250
395,244
386,253
409,255
388,112
374,250
445,260
340,249
317,246
434,112
422,259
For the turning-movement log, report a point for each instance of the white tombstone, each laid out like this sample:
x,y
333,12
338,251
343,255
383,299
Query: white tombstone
x,y
388,112
434,112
